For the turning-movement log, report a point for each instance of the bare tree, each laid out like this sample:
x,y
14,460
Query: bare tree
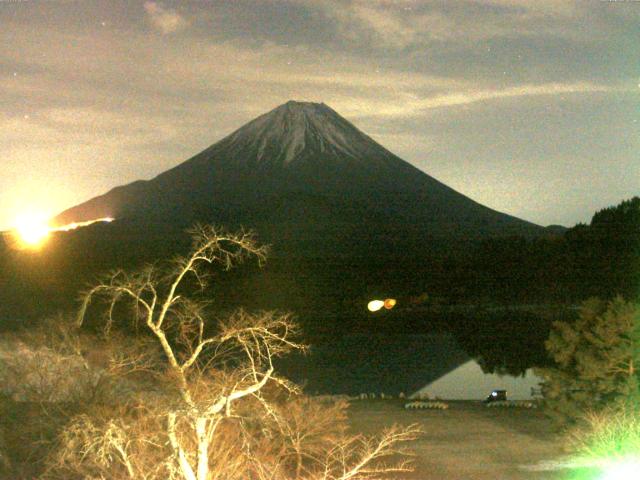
x,y
217,409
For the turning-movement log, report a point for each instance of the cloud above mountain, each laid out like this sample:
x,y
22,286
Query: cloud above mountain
x,y
165,20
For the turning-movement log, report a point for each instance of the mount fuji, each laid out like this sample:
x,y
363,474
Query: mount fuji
x,y
346,219
302,164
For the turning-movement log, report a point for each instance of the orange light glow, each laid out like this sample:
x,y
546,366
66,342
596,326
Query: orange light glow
x,y
74,225
375,305
32,230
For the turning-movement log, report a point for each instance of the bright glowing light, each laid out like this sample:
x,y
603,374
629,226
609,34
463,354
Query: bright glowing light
x,y
389,303
32,230
623,470
74,225
375,305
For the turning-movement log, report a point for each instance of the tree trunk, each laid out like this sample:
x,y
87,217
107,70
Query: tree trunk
x,y
183,462
203,448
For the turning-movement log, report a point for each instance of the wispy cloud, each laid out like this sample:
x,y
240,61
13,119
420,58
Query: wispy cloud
x,y
544,7
415,105
164,19
409,23
408,72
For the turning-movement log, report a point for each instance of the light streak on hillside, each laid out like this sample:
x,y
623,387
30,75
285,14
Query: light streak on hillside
x,y
32,231
76,225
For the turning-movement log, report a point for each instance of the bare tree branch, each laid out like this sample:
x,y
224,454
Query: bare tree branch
x,y
219,410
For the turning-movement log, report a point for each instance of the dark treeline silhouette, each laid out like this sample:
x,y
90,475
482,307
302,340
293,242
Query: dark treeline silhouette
x,y
598,259
327,284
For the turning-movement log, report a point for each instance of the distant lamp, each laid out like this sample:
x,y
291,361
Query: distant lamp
x,y
375,305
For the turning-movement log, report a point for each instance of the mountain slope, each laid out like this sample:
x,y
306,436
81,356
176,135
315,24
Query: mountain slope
x,y
348,221
301,163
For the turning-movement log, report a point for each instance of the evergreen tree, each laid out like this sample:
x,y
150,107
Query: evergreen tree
x,y
596,359
603,256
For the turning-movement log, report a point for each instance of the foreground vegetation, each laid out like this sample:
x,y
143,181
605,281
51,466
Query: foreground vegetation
x,y
612,434
593,391
595,360
184,398
150,384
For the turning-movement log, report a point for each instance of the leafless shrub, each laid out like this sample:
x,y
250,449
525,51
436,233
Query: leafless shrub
x,y
34,369
607,435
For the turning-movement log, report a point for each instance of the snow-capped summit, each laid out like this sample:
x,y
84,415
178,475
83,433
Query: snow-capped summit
x,y
296,131
295,134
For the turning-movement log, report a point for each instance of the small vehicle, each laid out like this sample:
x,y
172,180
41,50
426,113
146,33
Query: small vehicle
x,y
496,396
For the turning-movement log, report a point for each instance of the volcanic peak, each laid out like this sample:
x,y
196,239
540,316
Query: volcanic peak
x,y
299,130
300,157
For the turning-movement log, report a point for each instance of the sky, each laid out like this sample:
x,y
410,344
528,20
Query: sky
x,y
531,108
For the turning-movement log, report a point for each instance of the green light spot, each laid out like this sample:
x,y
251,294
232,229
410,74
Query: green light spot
x,y
622,470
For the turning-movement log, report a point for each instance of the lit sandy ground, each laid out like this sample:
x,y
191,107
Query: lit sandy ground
x,y
470,441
